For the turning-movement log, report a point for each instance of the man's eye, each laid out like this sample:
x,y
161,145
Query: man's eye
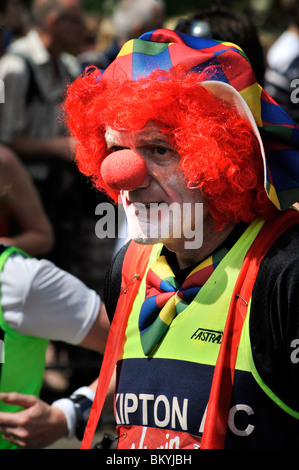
x,y
161,150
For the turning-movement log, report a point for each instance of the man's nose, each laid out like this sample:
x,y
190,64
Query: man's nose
x,y
123,170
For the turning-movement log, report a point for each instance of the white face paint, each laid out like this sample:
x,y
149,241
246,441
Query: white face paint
x,y
157,222
161,209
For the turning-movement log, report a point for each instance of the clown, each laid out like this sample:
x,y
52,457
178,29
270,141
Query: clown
x,y
203,342
203,337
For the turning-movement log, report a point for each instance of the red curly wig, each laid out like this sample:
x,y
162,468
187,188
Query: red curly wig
x,y
219,152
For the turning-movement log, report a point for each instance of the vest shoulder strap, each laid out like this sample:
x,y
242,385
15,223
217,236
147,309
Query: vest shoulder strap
x,y
134,266
220,395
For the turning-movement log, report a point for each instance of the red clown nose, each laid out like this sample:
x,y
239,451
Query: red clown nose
x,y
124,170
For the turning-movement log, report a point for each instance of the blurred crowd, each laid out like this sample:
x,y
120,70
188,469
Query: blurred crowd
x,y
47,208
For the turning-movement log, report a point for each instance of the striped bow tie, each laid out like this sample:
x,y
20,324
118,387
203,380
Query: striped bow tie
x,y
165,298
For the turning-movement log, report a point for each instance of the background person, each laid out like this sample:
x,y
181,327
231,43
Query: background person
x,y
39,302
23,221
13,21
223,24
130,19
281,79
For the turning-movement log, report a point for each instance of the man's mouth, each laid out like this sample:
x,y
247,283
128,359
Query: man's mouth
x,y
149,212
140,205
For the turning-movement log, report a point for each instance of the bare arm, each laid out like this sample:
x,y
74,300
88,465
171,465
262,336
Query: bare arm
x,y
23,202
96,338
61,147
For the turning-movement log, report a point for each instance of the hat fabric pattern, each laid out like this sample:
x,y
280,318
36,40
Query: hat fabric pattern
x,y
163,49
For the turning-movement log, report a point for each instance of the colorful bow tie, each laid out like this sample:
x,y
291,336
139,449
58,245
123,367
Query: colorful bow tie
x,y
165,298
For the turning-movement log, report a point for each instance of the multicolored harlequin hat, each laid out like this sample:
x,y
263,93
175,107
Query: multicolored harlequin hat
x,y
235,82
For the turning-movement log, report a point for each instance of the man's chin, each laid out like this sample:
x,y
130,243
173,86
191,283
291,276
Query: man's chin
x,y
144,233
143,240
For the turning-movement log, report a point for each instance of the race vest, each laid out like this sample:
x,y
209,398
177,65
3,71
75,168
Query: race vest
x,y
22,361
161,401
199,388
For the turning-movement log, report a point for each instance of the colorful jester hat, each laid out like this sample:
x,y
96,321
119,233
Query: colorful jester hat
x,y
234,82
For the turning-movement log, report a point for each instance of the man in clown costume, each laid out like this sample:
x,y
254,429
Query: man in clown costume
x,y
204,329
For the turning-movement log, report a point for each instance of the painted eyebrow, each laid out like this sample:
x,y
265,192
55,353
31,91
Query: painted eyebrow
x,y
148,140
143,139
159,141
140,143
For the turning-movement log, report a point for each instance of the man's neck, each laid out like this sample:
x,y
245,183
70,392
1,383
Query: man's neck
x,y
211,241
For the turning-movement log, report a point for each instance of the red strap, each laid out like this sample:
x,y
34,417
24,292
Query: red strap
x,y
133,269
221,390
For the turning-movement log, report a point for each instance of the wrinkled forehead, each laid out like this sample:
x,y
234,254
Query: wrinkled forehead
x,y
151,133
